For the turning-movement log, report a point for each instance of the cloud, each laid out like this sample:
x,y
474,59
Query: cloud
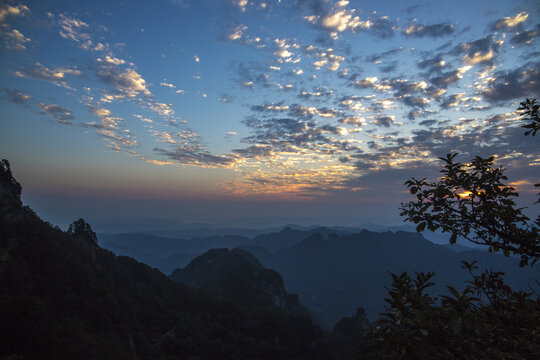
x,y
450,77
15,40
452,100
251,74
110,129
127,82
525,37
195,155
7,10
507,23
112,60
290,183
428,123
256,151
56,76
162,108
482,51
385,121
16,97
434,30
297,133
167,85
339,19
242,4
513,84
380,56
435,64
237,32
61,114
316,94
73,29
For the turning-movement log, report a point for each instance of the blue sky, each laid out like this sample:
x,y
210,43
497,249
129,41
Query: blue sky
x,y
297,111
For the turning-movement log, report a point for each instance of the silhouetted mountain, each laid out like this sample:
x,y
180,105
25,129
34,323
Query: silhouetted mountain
x,y
167,253
64,297
334,276
239,276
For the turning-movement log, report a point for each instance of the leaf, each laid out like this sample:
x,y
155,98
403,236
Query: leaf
x,y
421,227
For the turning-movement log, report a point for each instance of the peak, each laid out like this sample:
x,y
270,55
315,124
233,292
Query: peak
x,y
313,239
10,192
287,229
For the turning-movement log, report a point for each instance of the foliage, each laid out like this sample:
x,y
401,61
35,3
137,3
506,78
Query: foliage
x,y
487,320
472,201
529,111
81,228
349,335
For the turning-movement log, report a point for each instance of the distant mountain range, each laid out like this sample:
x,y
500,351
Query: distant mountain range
x,y
333,270
335,275
167,253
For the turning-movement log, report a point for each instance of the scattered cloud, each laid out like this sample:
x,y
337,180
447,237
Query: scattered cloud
x,y
15,96
237,32
512,84
340,19
482,51
386,121
7,10
434,30
508,23
61,114
15,40
127,82
525,37
195,155
56,76
169,85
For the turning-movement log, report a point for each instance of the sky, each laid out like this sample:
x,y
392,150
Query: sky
x,y
253,113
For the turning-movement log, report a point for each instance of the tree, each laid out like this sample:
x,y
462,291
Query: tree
x,y
472,201
529,111
487,320
81,228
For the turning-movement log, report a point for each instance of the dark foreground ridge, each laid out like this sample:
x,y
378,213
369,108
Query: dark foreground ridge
x,y
64,297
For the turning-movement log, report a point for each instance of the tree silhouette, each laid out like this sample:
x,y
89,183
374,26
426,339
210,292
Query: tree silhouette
x,y
529,111
82,229
472,201
487,320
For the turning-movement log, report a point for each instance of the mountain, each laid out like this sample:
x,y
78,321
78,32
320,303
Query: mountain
x,y
169,253
64,297
333,276
239,276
